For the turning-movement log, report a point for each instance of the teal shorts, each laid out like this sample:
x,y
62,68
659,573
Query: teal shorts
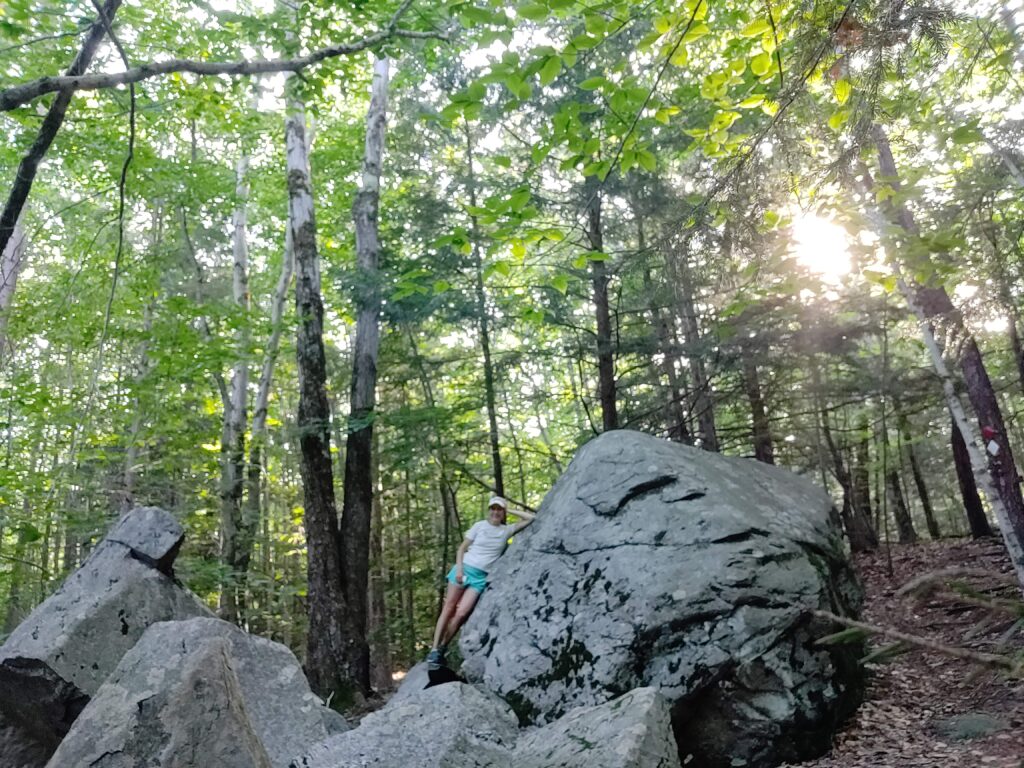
x,y
472,577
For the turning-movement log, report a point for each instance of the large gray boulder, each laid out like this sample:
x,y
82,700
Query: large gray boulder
x,y
447,726
632,731
656,564
192,693
60,655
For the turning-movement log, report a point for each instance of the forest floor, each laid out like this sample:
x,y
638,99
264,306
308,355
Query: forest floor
x,y
924,709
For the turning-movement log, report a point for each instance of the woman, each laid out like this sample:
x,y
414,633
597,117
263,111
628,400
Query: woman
x,y
483,545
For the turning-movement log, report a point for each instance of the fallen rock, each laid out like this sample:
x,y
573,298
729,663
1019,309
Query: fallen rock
x,y
446,726
60,655
632,731
656,564
192,690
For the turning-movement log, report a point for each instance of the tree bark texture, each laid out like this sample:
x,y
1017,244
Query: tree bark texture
x,y
232,477
357,514
51,124
330,640
599,280
975,512
484,326
861,471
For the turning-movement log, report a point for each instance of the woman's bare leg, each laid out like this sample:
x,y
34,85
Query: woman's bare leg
x,y
463,609
451,600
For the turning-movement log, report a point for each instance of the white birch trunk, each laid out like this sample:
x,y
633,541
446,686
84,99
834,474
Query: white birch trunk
x,y
10,267
971,437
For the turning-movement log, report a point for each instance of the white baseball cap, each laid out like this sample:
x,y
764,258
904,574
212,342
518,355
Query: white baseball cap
x,y
497,501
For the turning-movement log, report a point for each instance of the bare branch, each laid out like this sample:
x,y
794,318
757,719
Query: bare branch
x,y
18,95
991,660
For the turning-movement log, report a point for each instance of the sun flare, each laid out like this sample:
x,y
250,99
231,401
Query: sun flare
x,y
822,246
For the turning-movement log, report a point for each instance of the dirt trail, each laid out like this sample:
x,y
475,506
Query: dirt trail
x,y
924,710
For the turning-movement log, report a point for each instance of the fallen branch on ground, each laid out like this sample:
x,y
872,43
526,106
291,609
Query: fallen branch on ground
x,y
1014,668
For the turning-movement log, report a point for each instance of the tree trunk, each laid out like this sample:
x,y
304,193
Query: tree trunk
x,y
10,267
329,637
861,471
975,512
232,449
357,513
703,405
51,124
599,280
252,511
377,618
915,469
934,305
904,524
861,535
483,323
762,432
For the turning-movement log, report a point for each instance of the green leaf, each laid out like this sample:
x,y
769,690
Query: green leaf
x,y
756,100
662,24
680,57
838,119
519,199
755,28
647,160
440,286
967,134
760,64
696,32
518,248
595,24
580,262
532,11
560,283
502,267
502,160
593,83
843,89
551,69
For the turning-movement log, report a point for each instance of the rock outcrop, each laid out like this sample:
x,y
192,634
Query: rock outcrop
x,y
656,564
59,656
196,693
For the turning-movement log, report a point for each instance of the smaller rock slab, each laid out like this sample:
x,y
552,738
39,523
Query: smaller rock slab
x,y
446,726
632,731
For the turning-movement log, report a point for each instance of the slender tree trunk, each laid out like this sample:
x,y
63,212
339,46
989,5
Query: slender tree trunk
x,y
861,535
904,524
357,514
915,469
1015,345
599,279
377,619
703,405
51,124
861,471
10,266
934,305
330,642
675,417
483,322
977,520
232,473
764,449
